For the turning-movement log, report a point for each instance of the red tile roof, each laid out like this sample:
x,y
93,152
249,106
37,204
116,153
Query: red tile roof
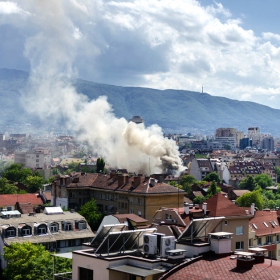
x,y
266,217
224,269
129,184
12,199
219,206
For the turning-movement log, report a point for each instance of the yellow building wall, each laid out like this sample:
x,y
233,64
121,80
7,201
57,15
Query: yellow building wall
x,y
154,203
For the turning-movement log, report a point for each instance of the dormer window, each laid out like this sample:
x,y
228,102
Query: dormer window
x,y
40,229
25,230
53,227
80,225
67,226
10,232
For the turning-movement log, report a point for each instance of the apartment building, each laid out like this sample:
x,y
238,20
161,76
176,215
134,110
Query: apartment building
x,y
116,193
265,232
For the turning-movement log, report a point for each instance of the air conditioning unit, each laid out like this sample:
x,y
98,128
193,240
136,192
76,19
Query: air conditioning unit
x,y
167,243
150,244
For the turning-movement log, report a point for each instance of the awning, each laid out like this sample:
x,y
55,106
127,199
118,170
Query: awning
x,y
137,271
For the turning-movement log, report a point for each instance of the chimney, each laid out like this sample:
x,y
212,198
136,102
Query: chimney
x,y
253,209
121,180
186,208
204,207
137,181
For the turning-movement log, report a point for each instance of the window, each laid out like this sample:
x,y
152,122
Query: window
x,y
131,200
168,216
268,239
259,241
85,274
131,211
10,232
81,225
125,206
67,226
42,230
54,227
139,213
239,230
239,245
9,208
139,201
26,231
37,160
107,196
277,238
226,223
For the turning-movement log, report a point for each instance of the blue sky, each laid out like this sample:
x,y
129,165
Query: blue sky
x,y
258,15
230,46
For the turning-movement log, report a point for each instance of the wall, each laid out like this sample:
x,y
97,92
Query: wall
x,y
154,203
234,222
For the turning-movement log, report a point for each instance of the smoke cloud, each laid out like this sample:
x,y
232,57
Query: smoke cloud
x,y
51,95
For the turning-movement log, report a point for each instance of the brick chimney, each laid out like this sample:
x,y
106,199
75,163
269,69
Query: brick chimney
x,y
121,180
137,181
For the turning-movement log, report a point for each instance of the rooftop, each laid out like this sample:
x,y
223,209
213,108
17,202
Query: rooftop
x,y
224,268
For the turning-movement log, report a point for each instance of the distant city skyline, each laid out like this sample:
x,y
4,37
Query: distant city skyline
x,y
231,47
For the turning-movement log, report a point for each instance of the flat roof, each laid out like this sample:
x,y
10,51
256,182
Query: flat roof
x,y
176,251
257,249
244,253
220,233
137,271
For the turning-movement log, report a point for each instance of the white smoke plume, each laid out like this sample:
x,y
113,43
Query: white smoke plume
x,y
51,95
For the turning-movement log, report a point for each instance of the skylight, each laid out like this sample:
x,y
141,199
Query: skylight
x,y
265,224
254,225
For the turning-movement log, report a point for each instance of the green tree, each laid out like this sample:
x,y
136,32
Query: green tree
x,y
16,173
278,173
56,171
91,213
212,176
247,199
27,261
248,183
213,189
34,183
100,165
199,199
6,187
175,184
264,180
186,182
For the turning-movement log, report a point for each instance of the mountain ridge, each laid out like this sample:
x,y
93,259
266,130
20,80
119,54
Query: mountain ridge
x,y
174,110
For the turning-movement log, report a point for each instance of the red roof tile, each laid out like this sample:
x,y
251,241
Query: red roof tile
x,y
219,206
12,199
223,269
263,218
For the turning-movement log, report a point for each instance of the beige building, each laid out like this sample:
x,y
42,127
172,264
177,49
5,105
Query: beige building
x,y
58,231
38,158
265,232
236,220
116,193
